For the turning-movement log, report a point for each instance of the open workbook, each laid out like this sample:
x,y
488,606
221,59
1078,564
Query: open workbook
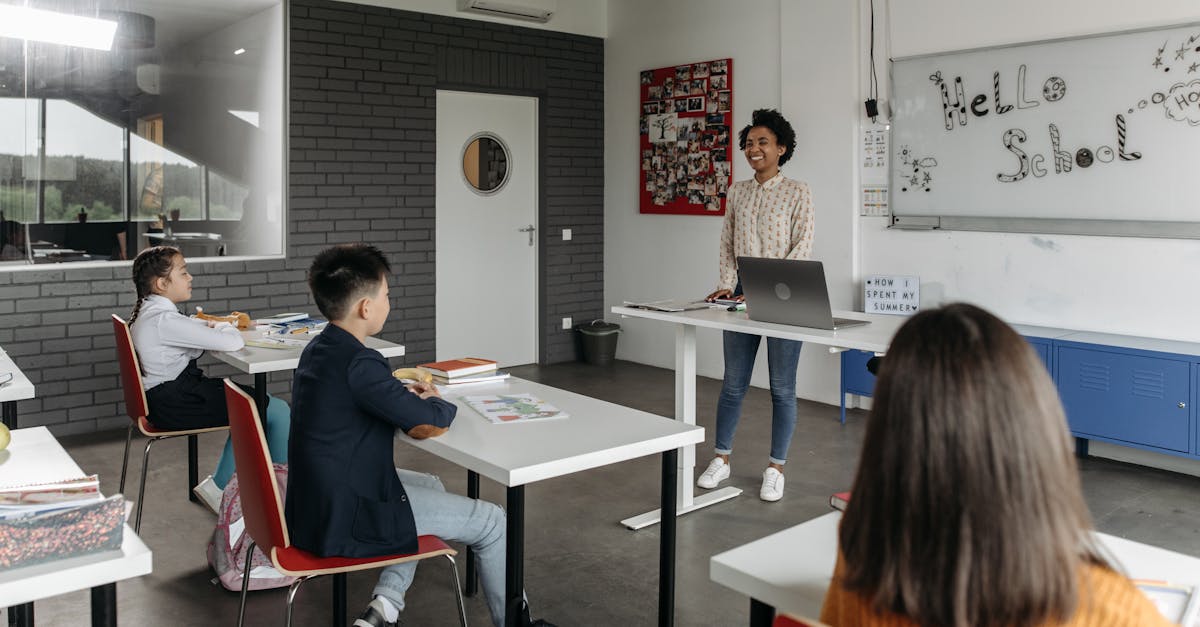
x,y
508,408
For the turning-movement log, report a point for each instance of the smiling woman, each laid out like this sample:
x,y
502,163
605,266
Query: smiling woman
x,y
105,142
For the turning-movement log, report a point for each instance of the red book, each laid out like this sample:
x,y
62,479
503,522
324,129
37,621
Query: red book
x,y
839,500
452,368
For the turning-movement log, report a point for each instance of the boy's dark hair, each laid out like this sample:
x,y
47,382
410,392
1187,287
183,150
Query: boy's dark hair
x,y
341,275
773,121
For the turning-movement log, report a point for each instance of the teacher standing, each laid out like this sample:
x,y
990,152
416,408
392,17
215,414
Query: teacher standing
x,y
767,216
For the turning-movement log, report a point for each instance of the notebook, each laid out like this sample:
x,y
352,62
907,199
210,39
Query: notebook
x,y
789,291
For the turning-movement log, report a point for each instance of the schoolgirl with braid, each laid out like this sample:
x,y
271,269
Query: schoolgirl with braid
x,y
168,344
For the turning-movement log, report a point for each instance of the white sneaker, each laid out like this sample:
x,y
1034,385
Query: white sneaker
x,y
209,494
772,485
716,472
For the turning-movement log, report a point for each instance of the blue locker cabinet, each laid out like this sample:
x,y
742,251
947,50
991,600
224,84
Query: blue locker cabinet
x,y
1126,396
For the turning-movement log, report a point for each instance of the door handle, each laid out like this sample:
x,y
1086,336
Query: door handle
x,y
528,229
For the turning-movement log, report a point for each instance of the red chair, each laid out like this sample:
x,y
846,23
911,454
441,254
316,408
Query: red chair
x,y
138,409
784,620
262,507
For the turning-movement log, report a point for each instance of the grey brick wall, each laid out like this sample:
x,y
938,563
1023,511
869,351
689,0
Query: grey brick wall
x,y
363,82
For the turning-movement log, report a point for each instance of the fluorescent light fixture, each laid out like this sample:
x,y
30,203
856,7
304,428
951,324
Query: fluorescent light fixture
x,y
56,28
250,117
239,51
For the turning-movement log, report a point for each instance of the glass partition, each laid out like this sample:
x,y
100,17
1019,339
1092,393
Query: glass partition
x,y
130,123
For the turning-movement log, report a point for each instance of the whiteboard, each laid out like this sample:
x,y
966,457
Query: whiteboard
x,y
1078,132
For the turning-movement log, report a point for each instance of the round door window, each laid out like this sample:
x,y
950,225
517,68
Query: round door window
x,y
485,163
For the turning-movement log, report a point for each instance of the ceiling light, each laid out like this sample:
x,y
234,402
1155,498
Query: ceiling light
x,y
239,51
56,28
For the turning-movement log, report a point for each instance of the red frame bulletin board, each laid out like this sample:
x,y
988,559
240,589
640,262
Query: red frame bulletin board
x,y
686,138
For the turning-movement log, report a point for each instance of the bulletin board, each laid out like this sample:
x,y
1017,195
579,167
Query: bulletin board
x,y
686,142
1088,135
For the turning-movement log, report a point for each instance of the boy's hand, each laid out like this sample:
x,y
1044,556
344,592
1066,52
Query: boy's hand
x,y
424,390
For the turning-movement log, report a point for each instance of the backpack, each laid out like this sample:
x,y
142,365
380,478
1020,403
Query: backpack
x,y
227,548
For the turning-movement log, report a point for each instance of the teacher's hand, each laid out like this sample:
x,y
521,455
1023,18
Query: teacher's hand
x,y
726,294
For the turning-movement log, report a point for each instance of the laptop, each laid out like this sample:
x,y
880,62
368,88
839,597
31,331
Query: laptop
x,y
789,291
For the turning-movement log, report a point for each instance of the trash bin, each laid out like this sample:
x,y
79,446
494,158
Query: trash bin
x,y
598,341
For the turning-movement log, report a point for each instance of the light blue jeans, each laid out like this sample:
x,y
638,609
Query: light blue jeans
x,y
782,358
279,425
452,517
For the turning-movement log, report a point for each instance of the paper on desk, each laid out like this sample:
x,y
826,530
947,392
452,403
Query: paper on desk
x,y
667,305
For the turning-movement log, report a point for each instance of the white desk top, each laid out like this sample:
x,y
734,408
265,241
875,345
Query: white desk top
x,y
791,570
20,388
255,360
596,433
34,455
869,337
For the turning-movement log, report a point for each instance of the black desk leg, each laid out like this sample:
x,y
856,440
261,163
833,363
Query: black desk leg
x,y
471,585
514,560
21,615
1081,447
193,467
9,414
339,600
761,614
666,542
260,396
104,605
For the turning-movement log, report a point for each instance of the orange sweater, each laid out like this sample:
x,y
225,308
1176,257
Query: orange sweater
x,y
1106,599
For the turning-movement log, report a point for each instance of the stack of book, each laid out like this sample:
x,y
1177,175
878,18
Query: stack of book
x,y
49,521
466,370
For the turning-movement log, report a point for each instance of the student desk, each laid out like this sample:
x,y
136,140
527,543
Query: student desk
x,y
259,361
873,337
595,433
34,455
789,571
19,389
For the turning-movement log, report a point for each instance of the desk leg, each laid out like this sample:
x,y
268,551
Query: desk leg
x,y
21,615
471,585
666,542
514,559
685,412
104,605
193,467
10,414
761,614
260,396
339,600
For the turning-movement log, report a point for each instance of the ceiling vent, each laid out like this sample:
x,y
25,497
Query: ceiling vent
x,y
533,10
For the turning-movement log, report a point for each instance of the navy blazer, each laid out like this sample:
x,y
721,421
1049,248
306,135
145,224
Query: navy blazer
x,y
343,495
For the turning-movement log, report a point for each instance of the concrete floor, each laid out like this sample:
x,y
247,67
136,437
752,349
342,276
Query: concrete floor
x,y
582,566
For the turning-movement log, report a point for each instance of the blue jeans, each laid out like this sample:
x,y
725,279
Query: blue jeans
x,y
782,359
278,427
452,517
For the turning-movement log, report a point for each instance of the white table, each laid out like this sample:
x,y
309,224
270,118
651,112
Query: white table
x,y
596,433
790,571
259,361
19,389
873,337
32,456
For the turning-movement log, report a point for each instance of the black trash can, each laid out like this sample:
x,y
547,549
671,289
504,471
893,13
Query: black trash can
x,y
598,341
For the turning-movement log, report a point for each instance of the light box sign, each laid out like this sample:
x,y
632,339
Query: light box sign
x,y
895,295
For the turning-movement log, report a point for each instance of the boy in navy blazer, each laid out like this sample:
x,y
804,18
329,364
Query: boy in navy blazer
x,y
344,495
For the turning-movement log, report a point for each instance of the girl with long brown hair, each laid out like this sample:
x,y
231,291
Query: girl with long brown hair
x,y
967,508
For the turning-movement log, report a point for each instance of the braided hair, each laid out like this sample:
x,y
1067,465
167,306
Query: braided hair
x,y
153,263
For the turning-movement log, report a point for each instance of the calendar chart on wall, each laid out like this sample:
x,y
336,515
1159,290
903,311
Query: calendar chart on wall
x,y
1096,134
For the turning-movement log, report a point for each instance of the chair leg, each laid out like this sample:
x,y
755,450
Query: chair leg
x,y
245,583
125,459
458,593
291,596
339,600
193,468
137,521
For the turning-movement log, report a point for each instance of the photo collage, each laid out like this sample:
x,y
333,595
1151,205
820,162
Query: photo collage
x,y
685,143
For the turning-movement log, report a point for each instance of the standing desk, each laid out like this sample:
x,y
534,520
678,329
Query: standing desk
x,y
790,571
35,456
19,389
596,433
870,337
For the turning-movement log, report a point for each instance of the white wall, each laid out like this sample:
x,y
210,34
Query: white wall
x,y
580,17
798,58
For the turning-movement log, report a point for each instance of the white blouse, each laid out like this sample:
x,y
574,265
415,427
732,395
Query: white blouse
x,y
772,219
166,340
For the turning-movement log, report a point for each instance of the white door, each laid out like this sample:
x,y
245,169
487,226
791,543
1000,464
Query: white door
x,y
486,225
